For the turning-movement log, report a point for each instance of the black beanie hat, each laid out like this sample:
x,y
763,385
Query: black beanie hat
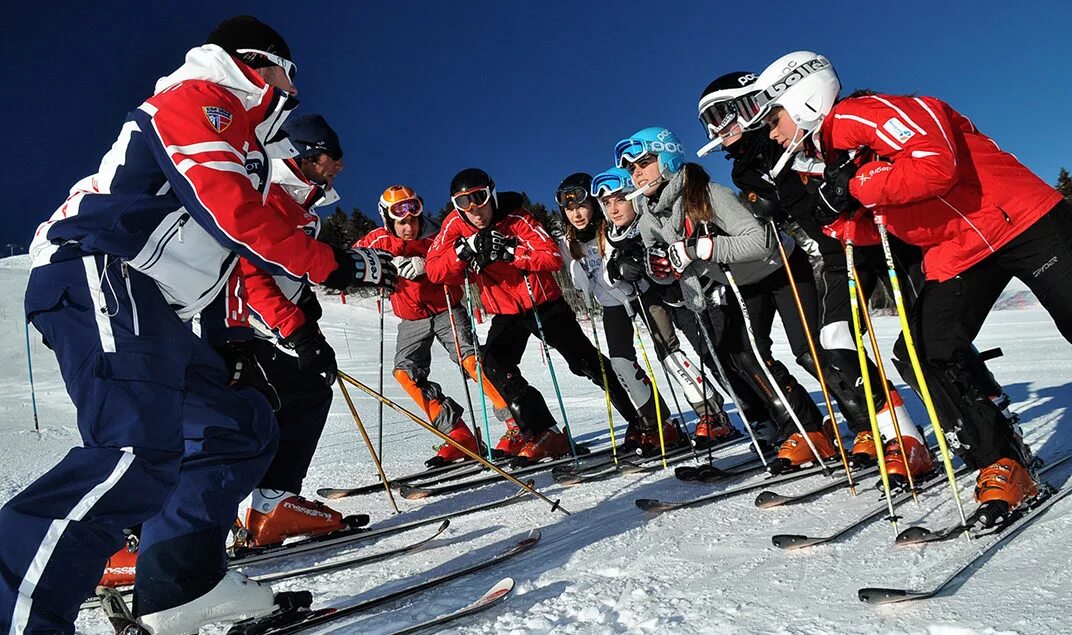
x,y
247,32
311,136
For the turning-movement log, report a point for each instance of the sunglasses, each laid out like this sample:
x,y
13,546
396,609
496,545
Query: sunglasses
x,y
290,67
470,199
571,197
404,209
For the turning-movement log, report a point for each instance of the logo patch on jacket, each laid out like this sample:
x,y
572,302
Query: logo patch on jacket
x,y
218,118
899,131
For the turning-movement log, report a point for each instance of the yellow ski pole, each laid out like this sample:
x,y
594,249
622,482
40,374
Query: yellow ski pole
x,y
368,442
603,371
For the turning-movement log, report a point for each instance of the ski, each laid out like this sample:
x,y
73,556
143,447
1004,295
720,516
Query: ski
x,y
768,499
656,506
602,466
799,541
346,563
630,465
414,492
492,596
709,473
881,595
320,617
459,469
325,542
919,535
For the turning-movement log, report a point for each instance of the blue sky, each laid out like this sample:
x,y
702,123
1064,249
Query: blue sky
x,y
529,91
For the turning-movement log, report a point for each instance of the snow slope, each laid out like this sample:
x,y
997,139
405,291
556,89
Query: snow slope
x,y
607,568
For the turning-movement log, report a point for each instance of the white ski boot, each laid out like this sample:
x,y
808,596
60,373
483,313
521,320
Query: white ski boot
x,y
235,597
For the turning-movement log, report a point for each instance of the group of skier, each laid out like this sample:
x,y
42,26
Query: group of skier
x,y
193,354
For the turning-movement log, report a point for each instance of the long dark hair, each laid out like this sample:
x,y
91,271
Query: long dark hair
x,y
694,195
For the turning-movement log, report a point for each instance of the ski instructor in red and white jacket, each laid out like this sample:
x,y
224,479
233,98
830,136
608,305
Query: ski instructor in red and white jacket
x,y
135,251
980,216
491,239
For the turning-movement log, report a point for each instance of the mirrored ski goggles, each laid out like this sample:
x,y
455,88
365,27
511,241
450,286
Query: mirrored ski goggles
x,y
404,209
606,184
629,151
571,196
290,67
717,116
469,199
752,108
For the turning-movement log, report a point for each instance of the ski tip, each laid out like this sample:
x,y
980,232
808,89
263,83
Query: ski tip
x,y
567,478
879,595
652,505
791,541
331,493
532,537
444,525
501,588
768,499
414,493
913,535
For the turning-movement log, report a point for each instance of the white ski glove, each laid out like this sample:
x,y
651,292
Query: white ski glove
x,y
409,267
580,278
683,252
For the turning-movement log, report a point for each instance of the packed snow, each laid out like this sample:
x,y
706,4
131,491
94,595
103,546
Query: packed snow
x,y
608,568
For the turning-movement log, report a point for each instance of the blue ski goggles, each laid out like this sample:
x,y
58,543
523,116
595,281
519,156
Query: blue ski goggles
x,y
630,151
610,182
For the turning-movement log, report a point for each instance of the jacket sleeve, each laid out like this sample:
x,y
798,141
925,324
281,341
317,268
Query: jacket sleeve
x,y
536,250
442,265
747,240
915,135
205,165
268,302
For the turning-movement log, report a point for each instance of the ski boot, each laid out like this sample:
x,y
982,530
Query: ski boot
x,y
276,515
510,443
632,444
713,429
121,566
234,597
795,453
549,444
864,453
447,453
1000,489
920,462
649,440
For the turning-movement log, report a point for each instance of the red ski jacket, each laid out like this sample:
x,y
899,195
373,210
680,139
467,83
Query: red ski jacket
x,y
413,299
502,285
940,183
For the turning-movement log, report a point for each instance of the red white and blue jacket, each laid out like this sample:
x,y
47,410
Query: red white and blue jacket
x,y
940,183
194,151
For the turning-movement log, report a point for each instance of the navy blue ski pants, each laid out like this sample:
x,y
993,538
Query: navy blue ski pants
x,y
166,443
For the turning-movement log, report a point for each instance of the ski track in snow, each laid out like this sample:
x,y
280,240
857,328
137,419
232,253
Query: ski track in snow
x,y
608,568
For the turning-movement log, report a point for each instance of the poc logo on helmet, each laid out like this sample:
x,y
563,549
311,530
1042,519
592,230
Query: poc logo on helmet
x,y
745,80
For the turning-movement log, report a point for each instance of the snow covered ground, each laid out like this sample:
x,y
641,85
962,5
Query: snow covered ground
x,y
607,568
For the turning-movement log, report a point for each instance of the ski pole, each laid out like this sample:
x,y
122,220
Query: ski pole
x,y
854,304
913,355
368,442
866,311
655,395
555,504
379,308
550,366
815,356
603,372
766,371
479,362
29,367
461,366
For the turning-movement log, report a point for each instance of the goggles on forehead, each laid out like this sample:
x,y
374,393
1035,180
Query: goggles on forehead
x,y
605,184
630,151
404,209
571,196
469,199
290,67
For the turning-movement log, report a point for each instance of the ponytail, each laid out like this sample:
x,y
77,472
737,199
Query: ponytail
x,y
694,194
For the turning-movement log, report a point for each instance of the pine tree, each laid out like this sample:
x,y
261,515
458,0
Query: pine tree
x,y
333,229
1064,184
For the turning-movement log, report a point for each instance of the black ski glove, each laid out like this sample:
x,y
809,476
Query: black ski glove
x,y
834,196
626,264
243,369
314,353
493,245
766,210
362,267
465,248
309,305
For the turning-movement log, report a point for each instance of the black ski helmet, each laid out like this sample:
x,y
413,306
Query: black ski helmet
x,y
581,180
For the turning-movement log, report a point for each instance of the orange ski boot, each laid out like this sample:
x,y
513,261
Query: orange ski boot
x,y
276,516
863,453
632,444
448,453
920,462
649,439
713,429
795,453
1001,488
510,443
549,444
121,566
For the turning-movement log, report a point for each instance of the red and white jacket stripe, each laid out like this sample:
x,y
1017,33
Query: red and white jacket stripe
x,y
940,183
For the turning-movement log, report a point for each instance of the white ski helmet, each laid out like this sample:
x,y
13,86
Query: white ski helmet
x,y
803,83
